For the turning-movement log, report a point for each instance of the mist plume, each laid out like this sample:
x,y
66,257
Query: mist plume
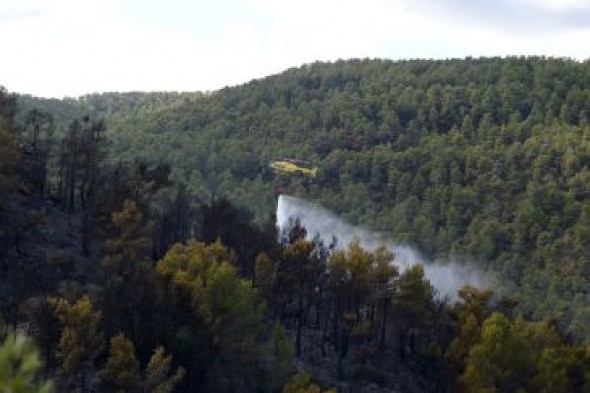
x,y
446,276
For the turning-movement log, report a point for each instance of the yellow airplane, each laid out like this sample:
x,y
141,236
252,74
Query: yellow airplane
x,y
290,165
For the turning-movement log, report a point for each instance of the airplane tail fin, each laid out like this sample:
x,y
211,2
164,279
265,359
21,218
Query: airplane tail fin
x,y
314,172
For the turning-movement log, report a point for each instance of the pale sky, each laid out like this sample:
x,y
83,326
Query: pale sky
x,y
56,48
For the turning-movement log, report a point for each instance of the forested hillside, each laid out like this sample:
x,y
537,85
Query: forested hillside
x,y
139,252
485,159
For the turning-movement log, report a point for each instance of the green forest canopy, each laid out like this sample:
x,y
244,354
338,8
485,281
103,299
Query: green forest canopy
x,y
485,158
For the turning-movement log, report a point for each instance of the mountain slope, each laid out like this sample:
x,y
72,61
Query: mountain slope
x,y
481,158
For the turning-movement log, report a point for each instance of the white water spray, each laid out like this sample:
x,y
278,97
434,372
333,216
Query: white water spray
x,y
446,276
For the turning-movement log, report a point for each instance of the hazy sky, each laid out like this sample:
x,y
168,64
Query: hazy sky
x,y
72,47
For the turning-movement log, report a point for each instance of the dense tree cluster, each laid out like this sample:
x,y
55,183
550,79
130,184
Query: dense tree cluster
x,y
89,270
485,159
129,258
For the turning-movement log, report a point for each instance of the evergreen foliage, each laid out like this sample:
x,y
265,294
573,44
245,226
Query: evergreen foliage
x,y
145,220
20,367
484,158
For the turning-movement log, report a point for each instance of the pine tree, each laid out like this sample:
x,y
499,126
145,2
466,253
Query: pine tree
x,y
8,162
36,139
277,359
413,307
121,370
129,288
158,377
80,340
20,367
227,305
501,360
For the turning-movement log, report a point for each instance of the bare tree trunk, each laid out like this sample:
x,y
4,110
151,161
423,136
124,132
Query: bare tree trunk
x,y
383,324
